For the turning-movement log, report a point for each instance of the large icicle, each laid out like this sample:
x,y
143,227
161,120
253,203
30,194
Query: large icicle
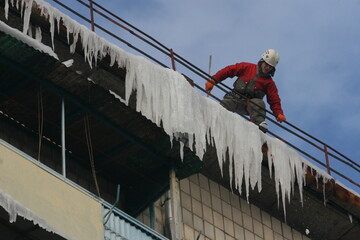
x,y
164,96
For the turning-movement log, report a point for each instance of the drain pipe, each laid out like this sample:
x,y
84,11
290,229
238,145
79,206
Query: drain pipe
x,y
169,224
173,209
152,216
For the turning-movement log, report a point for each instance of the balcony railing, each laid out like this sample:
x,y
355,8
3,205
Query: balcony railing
x,y
118,225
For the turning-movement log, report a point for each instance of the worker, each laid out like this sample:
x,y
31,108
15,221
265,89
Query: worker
x,y
253,82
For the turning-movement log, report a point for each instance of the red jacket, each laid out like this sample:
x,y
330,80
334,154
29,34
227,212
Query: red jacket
x,y
247,71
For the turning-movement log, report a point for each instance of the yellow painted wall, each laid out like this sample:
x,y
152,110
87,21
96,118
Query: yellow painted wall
x,y
65,208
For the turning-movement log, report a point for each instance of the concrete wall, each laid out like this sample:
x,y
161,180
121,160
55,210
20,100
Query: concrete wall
x,y
160,218
216,212
213,210
66,209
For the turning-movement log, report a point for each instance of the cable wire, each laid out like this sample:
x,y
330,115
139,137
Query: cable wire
x,y
90,150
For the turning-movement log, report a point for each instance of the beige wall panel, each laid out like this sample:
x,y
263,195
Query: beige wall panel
x,y
65,208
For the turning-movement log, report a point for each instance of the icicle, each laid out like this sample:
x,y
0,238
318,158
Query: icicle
x,y
21,7
14,208
27,12
30,32
26,39
6,9
182,151
324,192
288,168
52,28
38,35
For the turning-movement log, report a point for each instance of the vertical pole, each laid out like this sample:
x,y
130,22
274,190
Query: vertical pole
x,y
177,231
152,215
327,159
210,61
172,59
92,16
63,153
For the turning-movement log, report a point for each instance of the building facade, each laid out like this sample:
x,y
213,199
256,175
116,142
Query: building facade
x,y
79,160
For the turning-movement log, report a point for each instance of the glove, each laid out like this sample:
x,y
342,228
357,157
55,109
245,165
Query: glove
x,y
281,118
209,86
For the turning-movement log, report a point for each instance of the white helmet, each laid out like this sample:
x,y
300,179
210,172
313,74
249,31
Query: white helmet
x,y
271,57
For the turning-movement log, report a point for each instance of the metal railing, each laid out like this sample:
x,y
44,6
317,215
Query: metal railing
x,y
97,13
119,225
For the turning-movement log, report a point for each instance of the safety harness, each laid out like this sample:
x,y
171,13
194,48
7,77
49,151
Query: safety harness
x,y
247,91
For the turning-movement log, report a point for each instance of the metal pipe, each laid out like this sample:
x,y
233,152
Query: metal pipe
x,y
108,214
172,59
92,16
327,159
63,148
152,215
176,229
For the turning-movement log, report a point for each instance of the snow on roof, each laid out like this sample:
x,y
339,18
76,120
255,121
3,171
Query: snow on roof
x,y
26,39
164,96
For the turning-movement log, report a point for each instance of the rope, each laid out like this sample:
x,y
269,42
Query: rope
x,y
90,150
89,144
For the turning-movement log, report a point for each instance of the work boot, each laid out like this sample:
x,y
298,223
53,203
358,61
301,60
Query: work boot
x,y
263,126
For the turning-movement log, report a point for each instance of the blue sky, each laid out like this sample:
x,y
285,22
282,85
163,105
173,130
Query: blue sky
x,y
319,47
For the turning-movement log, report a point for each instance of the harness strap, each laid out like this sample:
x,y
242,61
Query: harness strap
x,y
250,86
246,89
